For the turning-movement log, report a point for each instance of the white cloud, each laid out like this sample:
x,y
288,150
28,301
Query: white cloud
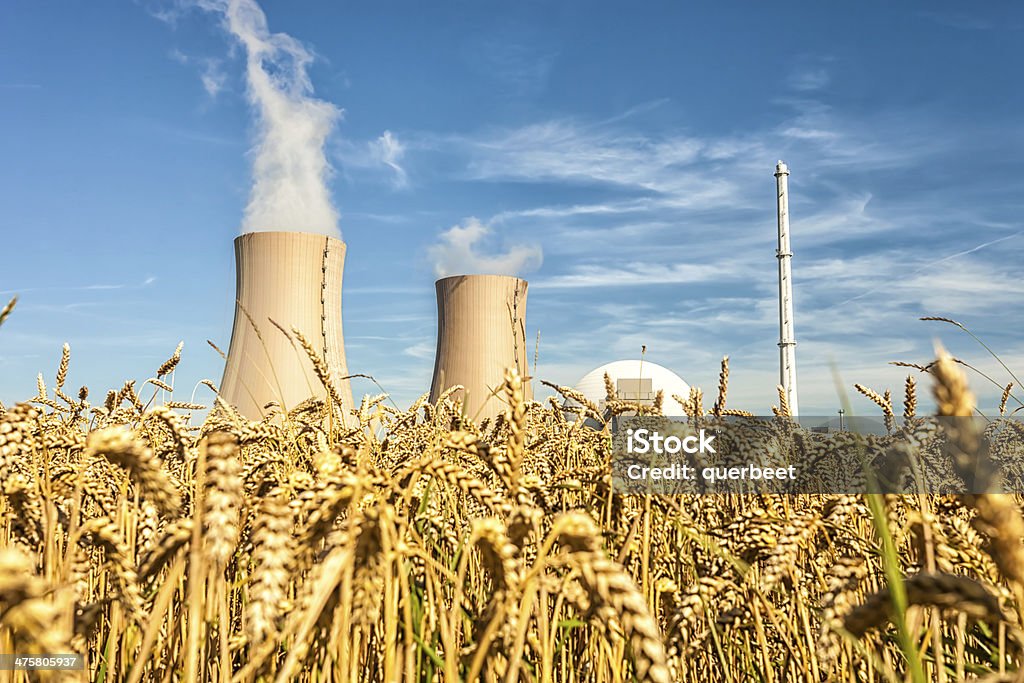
x,y
809,78
673,171
95,287
566,151
422,350
459,253
211,73
213,77
374,159
647,274
810,134
389,152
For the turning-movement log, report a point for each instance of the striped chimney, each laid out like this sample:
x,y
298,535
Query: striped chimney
x,y
787,335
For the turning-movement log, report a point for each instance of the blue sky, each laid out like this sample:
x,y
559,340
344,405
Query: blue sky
x,y
634,147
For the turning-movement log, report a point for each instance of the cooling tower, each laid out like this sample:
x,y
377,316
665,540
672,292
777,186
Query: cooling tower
x,y
294,280
481,325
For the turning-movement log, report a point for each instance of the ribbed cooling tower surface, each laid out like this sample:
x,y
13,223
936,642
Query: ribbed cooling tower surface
x,y
481,325
293,279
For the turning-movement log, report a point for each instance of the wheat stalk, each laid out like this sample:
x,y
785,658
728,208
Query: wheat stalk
x,y
723,388
167,367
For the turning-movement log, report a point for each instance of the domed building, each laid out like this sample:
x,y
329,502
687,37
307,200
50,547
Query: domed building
x,y
634,380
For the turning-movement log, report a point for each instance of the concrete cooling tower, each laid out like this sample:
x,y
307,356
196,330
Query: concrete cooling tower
x,y
293,279
481,325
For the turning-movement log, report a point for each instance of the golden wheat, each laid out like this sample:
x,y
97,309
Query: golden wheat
x,y
420,545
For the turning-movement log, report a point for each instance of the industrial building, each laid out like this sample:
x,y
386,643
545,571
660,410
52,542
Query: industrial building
x,y
481,332
638,381
285,280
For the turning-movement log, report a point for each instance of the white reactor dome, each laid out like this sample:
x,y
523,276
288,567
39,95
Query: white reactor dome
x,y
634,380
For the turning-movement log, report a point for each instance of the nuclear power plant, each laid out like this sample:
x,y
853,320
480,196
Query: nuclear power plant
x,y
481,331
637,381
285,280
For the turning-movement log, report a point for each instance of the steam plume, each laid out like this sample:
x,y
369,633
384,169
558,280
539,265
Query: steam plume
x,y
290,169
457,253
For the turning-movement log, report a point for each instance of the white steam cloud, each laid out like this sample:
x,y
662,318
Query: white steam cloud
x,y
290,169
457,253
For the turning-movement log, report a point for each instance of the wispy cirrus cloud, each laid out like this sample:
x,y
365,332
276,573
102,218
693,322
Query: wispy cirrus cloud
x,y
211,71
516,56
995,286
809,78
377,158
567,151
646,183
389,152
643,273
422,350
649,171
91,287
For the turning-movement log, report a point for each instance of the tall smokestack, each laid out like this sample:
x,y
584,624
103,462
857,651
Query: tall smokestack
x,y
293,279
481,325
787,337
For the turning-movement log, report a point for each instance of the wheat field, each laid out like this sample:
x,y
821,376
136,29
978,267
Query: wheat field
x,y
420,546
